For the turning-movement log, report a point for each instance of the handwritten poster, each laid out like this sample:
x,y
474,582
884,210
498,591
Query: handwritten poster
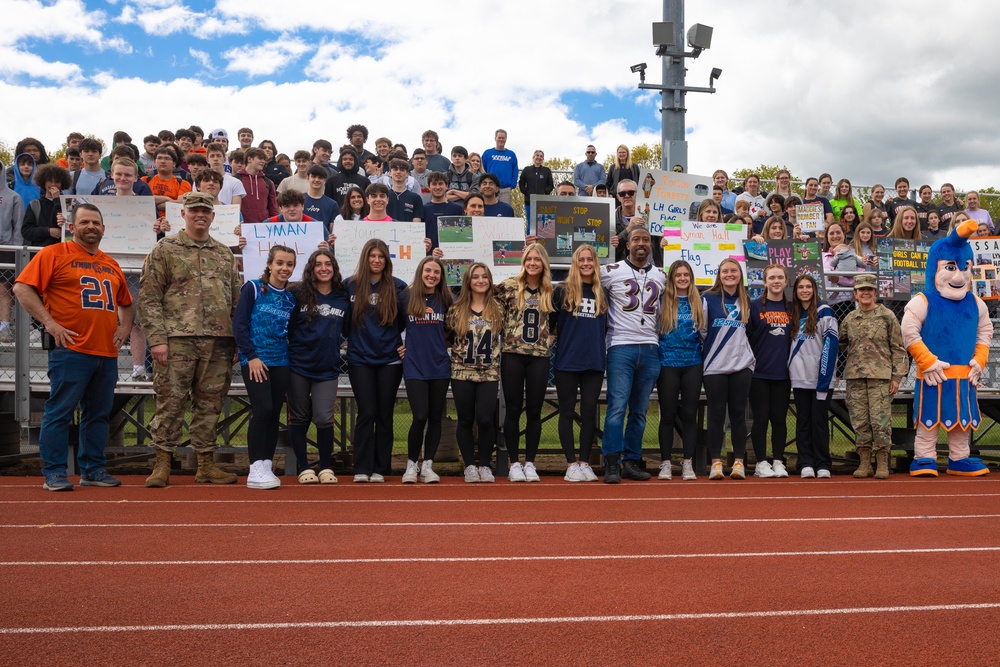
x,y
703,245
985,262
795,257
223,228
562,224
901,267
497,242
669,196
128,223
302,237
810,217
404,239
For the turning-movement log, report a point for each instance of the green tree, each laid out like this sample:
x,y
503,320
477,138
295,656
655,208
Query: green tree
x,y
644,156
560,164
6,154
767,175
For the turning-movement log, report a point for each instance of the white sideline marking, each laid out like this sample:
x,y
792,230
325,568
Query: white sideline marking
x,y
453,622
373,501
453,524
495,559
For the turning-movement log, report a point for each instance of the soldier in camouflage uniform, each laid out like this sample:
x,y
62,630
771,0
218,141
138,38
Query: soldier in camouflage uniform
x,y
187,297
876,362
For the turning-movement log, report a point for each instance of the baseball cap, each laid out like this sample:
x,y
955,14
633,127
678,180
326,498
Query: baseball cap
x,y
865,280
199,200
219,133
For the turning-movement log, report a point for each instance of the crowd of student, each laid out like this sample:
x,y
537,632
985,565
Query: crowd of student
x,y
632,321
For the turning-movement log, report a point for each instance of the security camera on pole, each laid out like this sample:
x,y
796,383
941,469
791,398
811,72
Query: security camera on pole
x,y
666,37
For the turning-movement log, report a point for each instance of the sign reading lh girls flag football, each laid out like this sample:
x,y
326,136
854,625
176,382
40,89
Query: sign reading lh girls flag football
x,y
670,196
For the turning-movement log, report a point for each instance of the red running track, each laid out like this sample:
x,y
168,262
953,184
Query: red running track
x,y
773,572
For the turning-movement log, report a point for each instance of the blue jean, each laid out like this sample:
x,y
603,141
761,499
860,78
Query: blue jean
x,y
77,379
632,373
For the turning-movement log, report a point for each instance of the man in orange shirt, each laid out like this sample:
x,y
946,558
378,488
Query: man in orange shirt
x,y
87,313
165,186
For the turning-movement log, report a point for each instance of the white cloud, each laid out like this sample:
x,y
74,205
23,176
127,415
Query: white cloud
x,y
169,18
14,62
268,58
870,91
203,58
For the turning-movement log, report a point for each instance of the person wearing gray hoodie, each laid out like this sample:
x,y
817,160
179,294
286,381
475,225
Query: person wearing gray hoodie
x,y
11,216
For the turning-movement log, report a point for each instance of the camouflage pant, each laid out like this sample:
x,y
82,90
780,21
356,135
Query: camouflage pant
x,y
200,368
870,407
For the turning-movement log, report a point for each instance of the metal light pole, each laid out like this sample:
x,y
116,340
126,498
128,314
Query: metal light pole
x,y
668,38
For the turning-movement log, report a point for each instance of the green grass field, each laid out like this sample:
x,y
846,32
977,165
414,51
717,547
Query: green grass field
x,y
455,234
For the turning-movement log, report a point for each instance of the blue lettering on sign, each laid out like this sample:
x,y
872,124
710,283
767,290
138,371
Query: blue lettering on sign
x,y
711,269
691,258
658,206
676,209
288,229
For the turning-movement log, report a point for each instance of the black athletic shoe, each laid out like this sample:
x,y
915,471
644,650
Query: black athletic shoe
x,y
631,470
612,471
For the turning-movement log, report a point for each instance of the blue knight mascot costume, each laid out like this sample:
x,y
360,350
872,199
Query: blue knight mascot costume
x,y
947,331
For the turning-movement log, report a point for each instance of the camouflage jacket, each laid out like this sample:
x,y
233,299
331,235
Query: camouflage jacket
x,y
188,288
525,331
874,345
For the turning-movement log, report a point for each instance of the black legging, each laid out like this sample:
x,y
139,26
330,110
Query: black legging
x,y
812,429
769,403
375,394
722,392
311,400
266,399
524,380
475,402
427,405
589,384
685,381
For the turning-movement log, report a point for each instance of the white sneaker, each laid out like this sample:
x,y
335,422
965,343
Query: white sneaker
x,y
486,475
427,474
779,469
823,473
258,477
665,471
763,469
472,474
574,473
410,476
376,478
716,471
807,473
269,474
516,473
588,472
687,471
530,474
361,479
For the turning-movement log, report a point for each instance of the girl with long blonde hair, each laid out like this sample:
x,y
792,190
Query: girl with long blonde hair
x,y
526,303
728,365
579,322
681,318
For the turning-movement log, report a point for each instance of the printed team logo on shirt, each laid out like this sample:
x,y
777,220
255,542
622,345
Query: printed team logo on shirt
x,y
326,310
732,318
588,308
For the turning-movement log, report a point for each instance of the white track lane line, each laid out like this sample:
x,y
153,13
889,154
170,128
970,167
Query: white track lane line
x,y
496,559
373,501
457,524
458,622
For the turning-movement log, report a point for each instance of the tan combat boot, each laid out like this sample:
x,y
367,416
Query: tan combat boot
x,y
865,466
882,464
209,472
161,470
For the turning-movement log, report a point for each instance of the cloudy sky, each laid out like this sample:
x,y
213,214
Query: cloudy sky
x,y
862,89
